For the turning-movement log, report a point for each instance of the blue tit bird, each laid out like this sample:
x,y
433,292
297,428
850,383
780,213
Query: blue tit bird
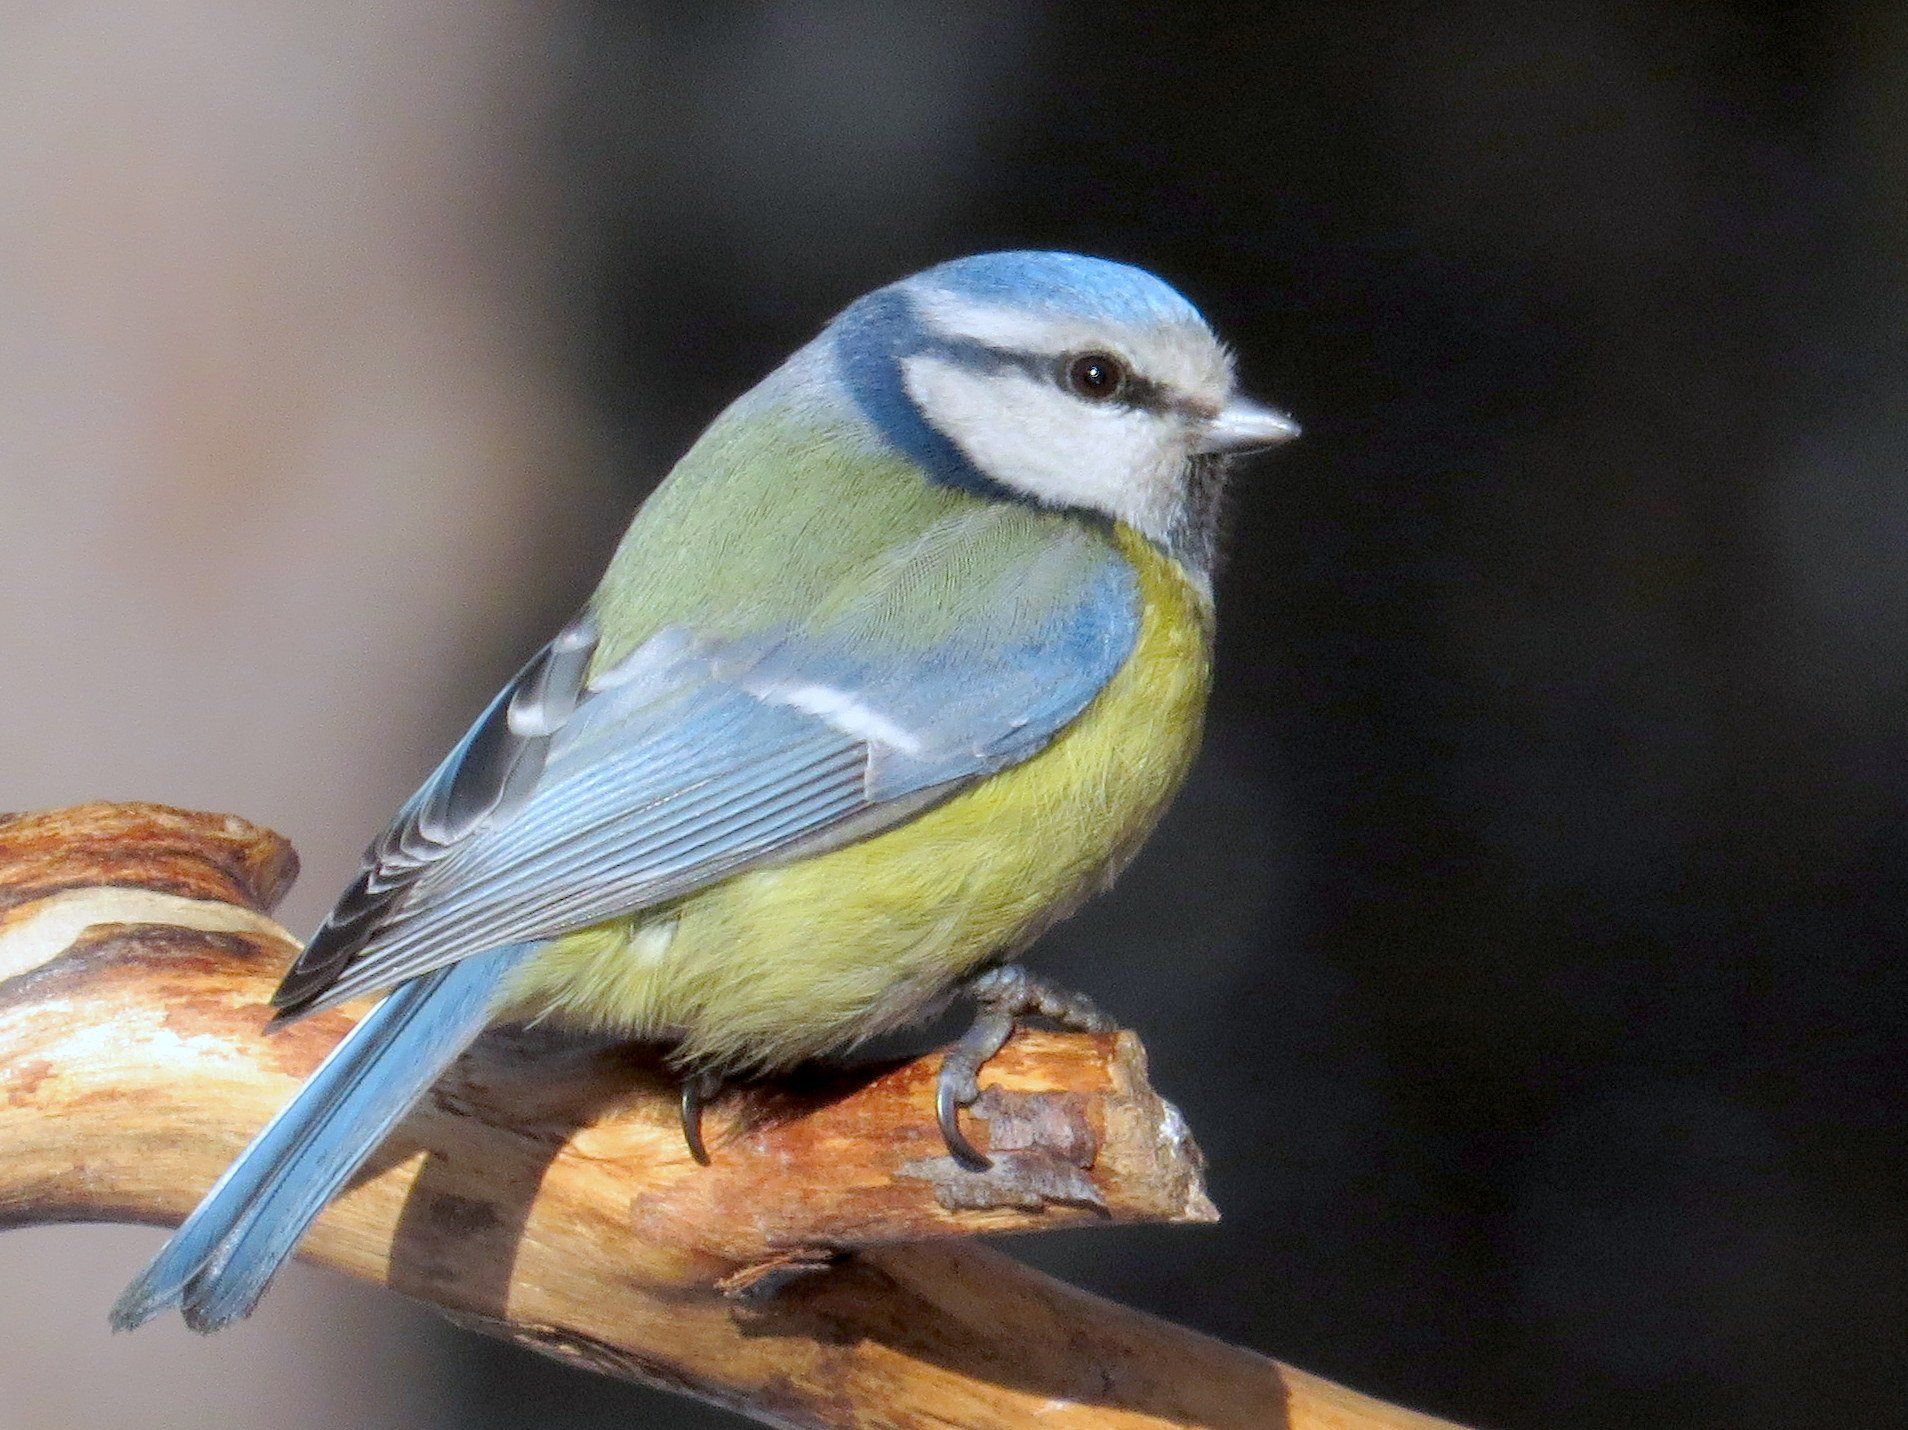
x,y
901,662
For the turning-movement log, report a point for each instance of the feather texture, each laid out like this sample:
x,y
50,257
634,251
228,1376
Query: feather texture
x,y
220,1261
486,775
694,758
899,664
797,957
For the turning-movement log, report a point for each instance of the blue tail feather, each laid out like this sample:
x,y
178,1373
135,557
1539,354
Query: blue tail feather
x,y
219,1262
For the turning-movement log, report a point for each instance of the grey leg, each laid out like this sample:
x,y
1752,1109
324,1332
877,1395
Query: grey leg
x,y
1004,994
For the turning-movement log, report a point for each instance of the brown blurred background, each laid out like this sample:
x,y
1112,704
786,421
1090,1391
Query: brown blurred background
x,y
1527,950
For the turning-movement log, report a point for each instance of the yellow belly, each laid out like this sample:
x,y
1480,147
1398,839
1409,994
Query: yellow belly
x,y
785,963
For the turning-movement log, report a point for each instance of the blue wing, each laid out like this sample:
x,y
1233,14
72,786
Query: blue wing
x,y
698,756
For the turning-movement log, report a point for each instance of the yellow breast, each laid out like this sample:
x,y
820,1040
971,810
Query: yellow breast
x,y
781,964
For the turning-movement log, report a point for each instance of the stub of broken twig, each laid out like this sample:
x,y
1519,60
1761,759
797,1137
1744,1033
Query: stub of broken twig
x,y
820,1272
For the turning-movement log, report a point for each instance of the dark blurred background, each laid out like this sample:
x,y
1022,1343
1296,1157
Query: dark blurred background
x,y
1526,949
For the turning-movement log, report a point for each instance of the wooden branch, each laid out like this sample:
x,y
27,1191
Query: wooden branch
x,y
819,1273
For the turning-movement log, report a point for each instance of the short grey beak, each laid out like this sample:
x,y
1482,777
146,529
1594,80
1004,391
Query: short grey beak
x,y
1245,426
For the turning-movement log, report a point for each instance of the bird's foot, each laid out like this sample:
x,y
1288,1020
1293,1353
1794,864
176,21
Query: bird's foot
x,y
1004,994
697,1089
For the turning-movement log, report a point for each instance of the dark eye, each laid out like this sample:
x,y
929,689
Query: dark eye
x,y
1095,376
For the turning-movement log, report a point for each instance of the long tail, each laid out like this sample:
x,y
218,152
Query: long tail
x,y
219,1262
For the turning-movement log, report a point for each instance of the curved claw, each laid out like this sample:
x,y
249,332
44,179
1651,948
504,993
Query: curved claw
x,y
695,1091
947,1112
1004,992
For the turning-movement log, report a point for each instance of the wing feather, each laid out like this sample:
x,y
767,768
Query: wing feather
x,y
486,776
571,802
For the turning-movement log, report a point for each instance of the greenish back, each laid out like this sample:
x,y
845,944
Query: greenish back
x,y
772,521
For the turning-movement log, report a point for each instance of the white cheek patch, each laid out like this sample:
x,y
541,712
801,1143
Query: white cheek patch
x,y
1030,436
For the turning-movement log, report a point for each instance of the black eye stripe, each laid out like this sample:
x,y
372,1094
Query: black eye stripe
x,y
1135,391
1143,392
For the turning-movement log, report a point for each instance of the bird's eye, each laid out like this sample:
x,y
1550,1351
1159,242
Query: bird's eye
x,y
1095,376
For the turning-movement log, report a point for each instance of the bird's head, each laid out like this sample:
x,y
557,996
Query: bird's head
x,y
1067,382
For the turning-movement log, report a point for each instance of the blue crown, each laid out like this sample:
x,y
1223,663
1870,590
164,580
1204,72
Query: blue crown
x,y
1061,283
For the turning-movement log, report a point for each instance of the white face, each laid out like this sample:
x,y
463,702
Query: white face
x,y
1029,426
1034,424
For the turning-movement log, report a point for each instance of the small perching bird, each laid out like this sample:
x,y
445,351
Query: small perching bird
x,y
901,663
